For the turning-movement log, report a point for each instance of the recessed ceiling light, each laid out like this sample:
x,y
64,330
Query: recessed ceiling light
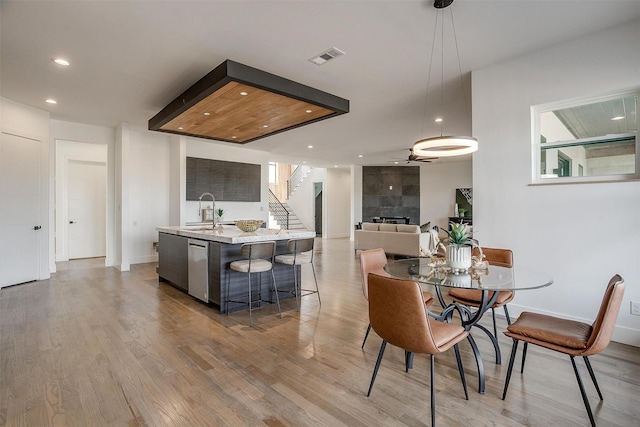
x,y
360,155
180,128
304,161
233,137
439,120
395,163
618,118
265,126
51,101
207,114
244,93
309,111
61,61
309,146
335,166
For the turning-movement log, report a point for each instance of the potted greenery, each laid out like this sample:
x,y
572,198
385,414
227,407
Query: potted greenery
x,y
458,246
220,212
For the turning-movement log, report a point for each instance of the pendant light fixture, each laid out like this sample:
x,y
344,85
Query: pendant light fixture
x,y
443,146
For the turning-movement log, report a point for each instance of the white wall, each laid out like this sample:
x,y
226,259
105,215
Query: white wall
x,y
580,234
302,201
149,189
438,183
22,120
356,197
337,204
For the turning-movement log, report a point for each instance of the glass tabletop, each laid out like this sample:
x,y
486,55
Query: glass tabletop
x,y
491,278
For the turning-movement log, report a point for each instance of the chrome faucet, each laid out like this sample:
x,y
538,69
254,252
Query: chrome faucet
x,y
213,199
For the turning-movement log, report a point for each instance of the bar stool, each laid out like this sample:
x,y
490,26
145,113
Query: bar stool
x,y
258,258
300,252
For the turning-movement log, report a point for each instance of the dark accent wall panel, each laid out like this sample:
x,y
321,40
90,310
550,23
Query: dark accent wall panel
x,y
391,191
227,181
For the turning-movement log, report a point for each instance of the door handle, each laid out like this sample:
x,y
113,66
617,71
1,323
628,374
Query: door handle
x,y
37,227
72,222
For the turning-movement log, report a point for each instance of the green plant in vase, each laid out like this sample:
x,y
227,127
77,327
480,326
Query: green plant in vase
x,y
459,235
458,245
219,212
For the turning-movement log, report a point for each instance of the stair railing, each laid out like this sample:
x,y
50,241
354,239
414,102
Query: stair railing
x,y
296,178
277,209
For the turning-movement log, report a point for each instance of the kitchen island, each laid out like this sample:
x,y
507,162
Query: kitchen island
x,y
223,244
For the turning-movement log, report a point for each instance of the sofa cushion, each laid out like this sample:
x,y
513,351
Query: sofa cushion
x,y
387,227
407,228
370,226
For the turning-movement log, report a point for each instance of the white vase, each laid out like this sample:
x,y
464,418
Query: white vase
x,y
458,257
462,280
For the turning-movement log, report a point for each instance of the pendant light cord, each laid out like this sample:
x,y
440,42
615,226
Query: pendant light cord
x,y
464,92
426,98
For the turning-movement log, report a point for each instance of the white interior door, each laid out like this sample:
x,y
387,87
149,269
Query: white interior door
x,y
87,226
20,209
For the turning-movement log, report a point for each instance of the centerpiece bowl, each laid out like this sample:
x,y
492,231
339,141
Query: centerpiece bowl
x,y
248,225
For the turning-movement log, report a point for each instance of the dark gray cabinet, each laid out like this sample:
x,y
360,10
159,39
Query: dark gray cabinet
x,y
227,181
173,263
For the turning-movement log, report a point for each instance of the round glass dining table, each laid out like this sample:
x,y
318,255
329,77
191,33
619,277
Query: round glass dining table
x,y
487,279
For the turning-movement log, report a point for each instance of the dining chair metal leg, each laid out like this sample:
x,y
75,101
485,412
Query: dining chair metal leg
x,y
524,356
461,370
433,394
375,370
593,376
585,399
366,335
514,349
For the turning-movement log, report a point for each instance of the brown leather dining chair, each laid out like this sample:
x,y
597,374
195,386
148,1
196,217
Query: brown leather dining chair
x,y
399,316
569,336
473,297
373,261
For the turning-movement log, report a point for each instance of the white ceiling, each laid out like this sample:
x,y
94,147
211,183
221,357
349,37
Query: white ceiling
x,y
130,58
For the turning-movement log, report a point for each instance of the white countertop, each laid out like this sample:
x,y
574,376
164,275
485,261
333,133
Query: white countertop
x,y
232,234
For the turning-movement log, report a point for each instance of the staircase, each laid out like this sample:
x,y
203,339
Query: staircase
x,y
294,222
283,214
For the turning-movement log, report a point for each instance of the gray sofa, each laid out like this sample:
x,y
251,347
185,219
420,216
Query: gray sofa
x,y
398,239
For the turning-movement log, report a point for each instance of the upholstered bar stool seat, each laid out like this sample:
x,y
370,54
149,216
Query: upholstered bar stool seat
x,y
251,266
300,253
258,258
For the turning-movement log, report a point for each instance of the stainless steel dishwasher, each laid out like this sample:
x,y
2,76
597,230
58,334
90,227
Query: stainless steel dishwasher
x,y
199,269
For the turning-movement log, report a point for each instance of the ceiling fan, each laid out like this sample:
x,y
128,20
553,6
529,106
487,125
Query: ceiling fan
x,y
415,158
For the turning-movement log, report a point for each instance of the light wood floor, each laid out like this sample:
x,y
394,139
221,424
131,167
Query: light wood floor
x,y
94,347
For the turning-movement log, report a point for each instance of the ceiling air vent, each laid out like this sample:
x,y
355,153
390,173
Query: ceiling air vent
x,y
327,55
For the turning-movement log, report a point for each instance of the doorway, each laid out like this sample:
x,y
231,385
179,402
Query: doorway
x,y
317,190
82,218
86,209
